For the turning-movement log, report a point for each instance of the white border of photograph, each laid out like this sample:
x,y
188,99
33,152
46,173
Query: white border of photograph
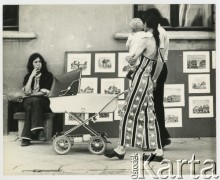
x,y
82,59
197,55
213,60
90,85
104,119
173,113
105,68
122,64
119,107
74,122
201,83
106,83
196,101
176,95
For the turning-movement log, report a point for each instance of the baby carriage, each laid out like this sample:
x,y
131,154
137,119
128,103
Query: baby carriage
x,y
64,98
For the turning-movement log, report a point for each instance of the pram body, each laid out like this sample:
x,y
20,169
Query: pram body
x,y
80,103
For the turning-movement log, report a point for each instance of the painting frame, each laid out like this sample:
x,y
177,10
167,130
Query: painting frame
x,y
123,66
113,86
196,62
119,107
105,62
197,109
171,114
109,118
68,121
213,59
75,60
199,83
89,85
174,95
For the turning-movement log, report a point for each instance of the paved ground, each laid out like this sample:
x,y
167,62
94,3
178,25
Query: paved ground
x,y
40,158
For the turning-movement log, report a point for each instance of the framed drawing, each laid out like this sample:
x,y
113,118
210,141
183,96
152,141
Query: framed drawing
x,y
196,61
118,110
199,83
200,106
123,66
213,60
112,86
71,121
173,117
174,95
104,117
89,85
76,60
105,62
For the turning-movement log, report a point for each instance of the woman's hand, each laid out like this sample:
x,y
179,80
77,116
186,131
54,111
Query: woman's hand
x,y
35,72
130,60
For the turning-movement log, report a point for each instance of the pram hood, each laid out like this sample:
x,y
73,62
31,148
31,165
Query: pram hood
x,y
67,84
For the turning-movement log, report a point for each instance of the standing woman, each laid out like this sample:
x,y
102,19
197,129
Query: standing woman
x,y
139,126
36,88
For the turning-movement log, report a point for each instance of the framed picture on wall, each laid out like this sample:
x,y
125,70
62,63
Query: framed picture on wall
x,y
174,95
196,62
199,83
69,120
89,85
112,86
104,117
123,66
200,106
213,60
173,117
105,62
118,110
77,60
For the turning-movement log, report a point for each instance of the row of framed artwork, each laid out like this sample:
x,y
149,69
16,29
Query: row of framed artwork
x,y
105,62
199,106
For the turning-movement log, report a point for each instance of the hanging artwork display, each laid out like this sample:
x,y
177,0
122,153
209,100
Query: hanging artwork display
x,y
173,117
105,62
199,83
200,106
118,110
69,120
196,61
174,95
78,60
89,85
123,66
112,86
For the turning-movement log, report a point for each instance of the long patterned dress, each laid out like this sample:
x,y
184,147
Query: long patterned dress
x,y
139,126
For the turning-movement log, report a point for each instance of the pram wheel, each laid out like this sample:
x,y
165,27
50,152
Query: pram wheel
x,y
62,144
97,145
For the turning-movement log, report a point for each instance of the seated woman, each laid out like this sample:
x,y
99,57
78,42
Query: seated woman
x,y
36,88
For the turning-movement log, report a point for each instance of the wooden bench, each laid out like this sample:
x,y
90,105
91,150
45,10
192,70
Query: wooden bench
x,y
48,123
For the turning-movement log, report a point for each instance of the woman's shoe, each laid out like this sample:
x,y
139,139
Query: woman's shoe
x,y
25,142
112,153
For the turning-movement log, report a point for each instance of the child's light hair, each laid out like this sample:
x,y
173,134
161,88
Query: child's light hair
x,y
137,24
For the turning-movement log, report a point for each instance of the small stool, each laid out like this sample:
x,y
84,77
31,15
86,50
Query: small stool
x,y
48,123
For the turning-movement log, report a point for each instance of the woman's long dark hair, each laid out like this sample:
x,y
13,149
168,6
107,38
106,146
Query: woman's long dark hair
x,y
33,57
152,21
